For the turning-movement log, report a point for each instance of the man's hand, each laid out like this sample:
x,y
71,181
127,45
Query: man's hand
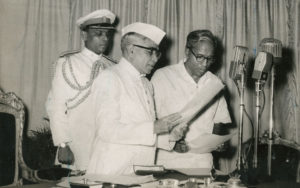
x,y
166,124
178,132
222,147
181,147
65,155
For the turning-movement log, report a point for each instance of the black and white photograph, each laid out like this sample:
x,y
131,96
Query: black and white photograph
x,y
150,93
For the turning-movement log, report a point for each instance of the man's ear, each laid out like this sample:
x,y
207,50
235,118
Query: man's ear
x,y
186,51
83,35
130,49
129,52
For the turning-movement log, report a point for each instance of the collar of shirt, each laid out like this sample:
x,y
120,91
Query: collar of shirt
x,y
90,54
188,77
130,69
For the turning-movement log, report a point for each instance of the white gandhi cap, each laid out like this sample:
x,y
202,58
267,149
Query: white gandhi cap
x,y
150,31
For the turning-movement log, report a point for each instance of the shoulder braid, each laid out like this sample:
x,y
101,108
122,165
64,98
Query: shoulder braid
x,y
68,53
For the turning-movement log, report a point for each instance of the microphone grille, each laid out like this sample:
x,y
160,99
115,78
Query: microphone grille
x,y
271,45
240,54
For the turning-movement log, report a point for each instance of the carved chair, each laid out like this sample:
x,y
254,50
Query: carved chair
x,y
11,125
12,116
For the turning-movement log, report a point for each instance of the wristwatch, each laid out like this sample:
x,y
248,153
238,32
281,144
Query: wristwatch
x,y
62,145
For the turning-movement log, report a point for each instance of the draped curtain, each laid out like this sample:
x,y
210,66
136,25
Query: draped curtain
x,y
34,32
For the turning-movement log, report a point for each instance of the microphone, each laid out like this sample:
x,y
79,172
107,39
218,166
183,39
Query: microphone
x,y
238,63
237,72
262,66
272,46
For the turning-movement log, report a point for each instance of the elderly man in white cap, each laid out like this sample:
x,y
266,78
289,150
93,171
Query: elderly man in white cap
x,y
68,101
124,106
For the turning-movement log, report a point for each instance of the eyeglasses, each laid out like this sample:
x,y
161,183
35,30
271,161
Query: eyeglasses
x,y
200,58
150,50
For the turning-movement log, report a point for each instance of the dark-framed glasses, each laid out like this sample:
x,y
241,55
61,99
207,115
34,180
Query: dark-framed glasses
x,y
200,58
150,50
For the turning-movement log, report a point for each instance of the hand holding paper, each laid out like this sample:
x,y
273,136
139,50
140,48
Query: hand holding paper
x,y
181,147
202,98
167,123
178,132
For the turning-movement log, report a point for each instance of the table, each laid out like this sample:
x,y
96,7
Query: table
x,y
272,184
276,184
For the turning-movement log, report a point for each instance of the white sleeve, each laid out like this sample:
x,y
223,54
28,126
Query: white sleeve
x,y
55,107
157,81
106,93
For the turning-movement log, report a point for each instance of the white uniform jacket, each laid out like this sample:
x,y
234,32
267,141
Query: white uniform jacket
x,y
173,89
73,125
124,116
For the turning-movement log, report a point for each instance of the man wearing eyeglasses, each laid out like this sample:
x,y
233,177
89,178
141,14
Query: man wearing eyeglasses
x,y
68,101
124,106
175,85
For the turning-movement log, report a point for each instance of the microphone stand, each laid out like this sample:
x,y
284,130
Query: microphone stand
x,y
258,88
240,127
271,121
240,175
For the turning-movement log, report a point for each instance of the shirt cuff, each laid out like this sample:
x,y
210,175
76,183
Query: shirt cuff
x,y
163,142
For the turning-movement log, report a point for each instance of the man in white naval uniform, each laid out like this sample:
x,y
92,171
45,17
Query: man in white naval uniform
x,y
124,106
68,103
175,85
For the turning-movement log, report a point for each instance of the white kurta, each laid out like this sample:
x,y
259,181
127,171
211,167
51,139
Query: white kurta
x,y
124,117
74,125
173,89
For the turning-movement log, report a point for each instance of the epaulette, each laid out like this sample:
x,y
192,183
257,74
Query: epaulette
x,y
69,52
110,59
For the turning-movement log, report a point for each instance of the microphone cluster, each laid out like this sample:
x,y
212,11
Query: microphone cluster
x,y
270,52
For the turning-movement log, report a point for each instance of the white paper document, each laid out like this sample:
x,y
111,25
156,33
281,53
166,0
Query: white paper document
x,y
208,142
203,97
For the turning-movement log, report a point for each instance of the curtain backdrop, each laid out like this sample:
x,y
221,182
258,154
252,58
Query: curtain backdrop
x,y
34,32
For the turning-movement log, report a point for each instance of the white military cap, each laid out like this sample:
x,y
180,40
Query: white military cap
x,y
150,31
102,18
